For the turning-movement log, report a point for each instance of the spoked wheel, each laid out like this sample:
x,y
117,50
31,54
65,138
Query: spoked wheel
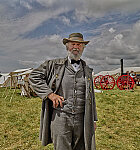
x,y
97,81
125,82
107,82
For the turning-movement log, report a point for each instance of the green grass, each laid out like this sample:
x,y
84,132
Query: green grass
x,y
118,121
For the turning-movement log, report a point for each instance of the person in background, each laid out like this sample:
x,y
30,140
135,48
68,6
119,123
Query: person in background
x,y
133,75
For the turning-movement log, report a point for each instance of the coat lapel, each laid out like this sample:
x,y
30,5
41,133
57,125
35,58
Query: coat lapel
x,y
88,80
59,72
88,72
88,127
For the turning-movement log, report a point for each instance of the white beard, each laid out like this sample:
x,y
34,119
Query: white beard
x,y
75,57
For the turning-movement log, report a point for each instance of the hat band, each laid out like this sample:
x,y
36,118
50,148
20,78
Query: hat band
x,y
76,39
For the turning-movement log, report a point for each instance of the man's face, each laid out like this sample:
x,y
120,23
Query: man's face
x,y
75,50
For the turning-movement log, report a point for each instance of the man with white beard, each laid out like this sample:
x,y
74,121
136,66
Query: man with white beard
x,y
65,85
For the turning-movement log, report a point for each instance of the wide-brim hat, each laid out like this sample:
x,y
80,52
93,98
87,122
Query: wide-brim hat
x,y
75,37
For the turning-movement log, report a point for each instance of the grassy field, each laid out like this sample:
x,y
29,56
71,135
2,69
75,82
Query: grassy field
x,y
118,125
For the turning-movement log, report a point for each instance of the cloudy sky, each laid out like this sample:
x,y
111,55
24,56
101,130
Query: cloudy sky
x,y
31,31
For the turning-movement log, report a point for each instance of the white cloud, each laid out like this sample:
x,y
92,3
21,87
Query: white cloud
x,y
108,5
47,3
103,51
98,8
111,30
25,4
65,20
33,19
118,37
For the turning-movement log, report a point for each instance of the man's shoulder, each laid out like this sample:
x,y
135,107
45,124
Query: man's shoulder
x,y
56,61
59,60
86,66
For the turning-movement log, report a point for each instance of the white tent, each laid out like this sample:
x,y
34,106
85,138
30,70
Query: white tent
x,y
18,75
17,78
19,71
118,71
14,77
4,79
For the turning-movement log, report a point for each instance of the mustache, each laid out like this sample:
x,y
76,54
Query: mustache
x,y
73,56
75,49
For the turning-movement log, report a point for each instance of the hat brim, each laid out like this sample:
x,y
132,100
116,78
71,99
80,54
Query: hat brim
x,y
65,40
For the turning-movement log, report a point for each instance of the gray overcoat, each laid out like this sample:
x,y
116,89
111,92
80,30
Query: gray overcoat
x,y
46,79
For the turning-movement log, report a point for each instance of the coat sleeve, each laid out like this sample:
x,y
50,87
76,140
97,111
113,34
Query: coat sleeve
x,y
39,77
95,111
94,104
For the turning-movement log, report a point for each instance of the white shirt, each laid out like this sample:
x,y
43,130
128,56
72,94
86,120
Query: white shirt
x,y
75,65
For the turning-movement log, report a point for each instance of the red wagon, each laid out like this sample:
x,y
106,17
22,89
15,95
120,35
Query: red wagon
x,y
107,82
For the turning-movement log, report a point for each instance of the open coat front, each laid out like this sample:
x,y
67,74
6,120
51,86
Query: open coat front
x,y
46,79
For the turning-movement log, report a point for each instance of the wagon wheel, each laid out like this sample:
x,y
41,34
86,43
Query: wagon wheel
x,y
107,82
125,82
97,81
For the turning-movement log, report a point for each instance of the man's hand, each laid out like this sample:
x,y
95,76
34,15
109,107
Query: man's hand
x,y
56,99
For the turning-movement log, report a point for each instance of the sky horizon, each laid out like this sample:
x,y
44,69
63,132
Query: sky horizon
x,y
31,31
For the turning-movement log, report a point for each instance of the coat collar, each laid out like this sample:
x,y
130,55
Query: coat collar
x,y
60,65
61,61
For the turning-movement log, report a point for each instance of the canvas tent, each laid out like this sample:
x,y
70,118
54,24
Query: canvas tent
x,y
118,71
4,79
13,78
18,75
18,78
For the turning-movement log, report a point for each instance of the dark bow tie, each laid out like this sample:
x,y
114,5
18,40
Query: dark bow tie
x,y
75,61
